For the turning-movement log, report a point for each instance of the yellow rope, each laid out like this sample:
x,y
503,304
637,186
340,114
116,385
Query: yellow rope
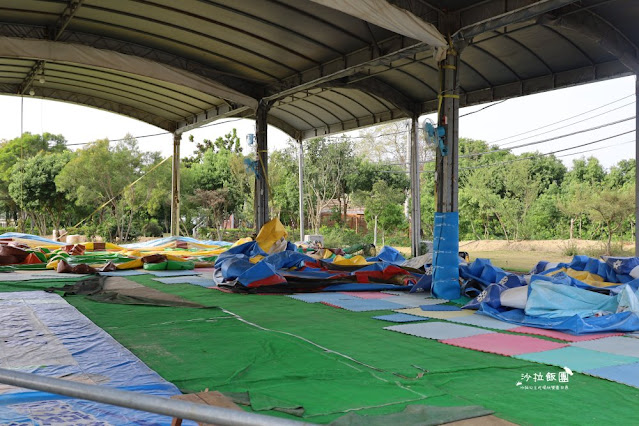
x,y
268,185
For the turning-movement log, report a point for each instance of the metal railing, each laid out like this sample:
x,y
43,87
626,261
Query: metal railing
x,y
138,401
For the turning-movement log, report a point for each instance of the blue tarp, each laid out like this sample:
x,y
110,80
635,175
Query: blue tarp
x,y
30,237
481,273
621,322
614,270
561,302
388,254
45,335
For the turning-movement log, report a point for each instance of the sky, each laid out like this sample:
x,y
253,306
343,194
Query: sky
x,y
531,117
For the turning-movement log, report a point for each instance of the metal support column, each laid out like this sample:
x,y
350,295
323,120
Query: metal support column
x,y
446,186
636,163
301,185
261,179
175,186
415,216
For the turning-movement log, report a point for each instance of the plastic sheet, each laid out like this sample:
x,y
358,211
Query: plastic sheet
x,y
44,335
549,300
446,256
388,254
621,322
481,273
615,270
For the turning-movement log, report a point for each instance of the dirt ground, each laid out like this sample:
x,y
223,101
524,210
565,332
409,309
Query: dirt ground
x,y
521,256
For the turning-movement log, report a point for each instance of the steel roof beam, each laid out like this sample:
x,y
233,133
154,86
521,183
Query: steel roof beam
x,y
238,84
31,75
284,126
600,32
509,18
99,103
210,115
315,78
377,87
66,17
84,55
545,83
63,21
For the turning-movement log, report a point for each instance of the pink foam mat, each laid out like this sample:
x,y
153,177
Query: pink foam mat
x,y
561,335
367,294
504,344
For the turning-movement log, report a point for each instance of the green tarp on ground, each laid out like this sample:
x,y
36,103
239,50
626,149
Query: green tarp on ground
x,y
351,363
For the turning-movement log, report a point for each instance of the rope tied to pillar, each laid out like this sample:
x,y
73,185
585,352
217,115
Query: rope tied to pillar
x,y
442,93
268,185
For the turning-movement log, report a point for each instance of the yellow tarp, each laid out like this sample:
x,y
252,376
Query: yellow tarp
x,y
353,261
584,276
272,232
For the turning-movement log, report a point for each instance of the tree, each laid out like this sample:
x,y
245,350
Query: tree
x,y
383,207
229,142
587,170
217,166
22,148
622,174
216,206
149,200
32,187
388,143
611,208
325,168
96,178
283,180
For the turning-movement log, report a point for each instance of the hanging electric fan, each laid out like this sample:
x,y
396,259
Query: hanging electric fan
x,y
434,135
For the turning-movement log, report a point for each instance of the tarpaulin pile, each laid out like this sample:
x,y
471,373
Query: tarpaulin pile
x,y
269,263
272,264
24,251
584,296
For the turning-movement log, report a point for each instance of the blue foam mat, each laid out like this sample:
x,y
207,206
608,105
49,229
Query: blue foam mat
x,y
627,374
400,318
618,345
438,330
322,297
202,282
577,359
439,308
363,305
484,321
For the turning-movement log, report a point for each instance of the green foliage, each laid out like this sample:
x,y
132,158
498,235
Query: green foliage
x,y
99,179
216,184
338,236
283,179
17,151
152,228
229,142
326,166
501,195
610,208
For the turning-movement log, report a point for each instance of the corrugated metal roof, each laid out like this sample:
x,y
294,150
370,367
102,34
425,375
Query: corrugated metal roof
x,y
179,64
